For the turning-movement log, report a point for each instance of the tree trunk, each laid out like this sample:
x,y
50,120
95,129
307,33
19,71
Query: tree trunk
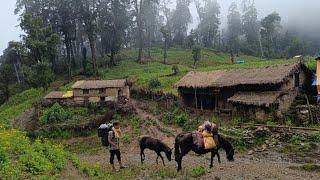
x,y
67,43
140,31
112,63
165,54
72,52
17,74
93,54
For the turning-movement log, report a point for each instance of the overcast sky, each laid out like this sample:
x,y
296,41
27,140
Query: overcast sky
x,y
301,14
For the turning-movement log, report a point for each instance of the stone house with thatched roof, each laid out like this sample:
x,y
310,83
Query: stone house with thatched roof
x,y
256,93
100,90
93,91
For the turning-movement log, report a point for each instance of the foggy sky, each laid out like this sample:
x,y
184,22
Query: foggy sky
x,y
302,15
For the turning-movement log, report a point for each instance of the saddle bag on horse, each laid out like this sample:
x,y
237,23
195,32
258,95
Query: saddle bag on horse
x,y
208,139
103,133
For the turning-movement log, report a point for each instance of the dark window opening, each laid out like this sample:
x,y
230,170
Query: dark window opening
x,y
86,91
102,91
296,80
102,98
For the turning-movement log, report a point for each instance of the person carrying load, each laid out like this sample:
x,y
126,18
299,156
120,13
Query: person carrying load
x,y
210,135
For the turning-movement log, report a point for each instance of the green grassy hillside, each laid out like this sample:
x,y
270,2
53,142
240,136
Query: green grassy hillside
x,y
141,74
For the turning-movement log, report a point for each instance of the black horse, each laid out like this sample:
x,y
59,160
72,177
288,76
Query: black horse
x,y
147,142
184,144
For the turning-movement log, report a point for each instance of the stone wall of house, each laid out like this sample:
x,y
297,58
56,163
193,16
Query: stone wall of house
x,y
111,94
290,92
304,117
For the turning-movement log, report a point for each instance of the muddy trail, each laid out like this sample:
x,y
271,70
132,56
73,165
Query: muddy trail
x,y
265,165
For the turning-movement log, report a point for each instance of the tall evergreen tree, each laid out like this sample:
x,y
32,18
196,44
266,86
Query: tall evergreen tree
x,y
234,30
209,22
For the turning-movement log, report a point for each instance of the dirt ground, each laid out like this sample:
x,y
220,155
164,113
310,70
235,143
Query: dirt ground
x,y
266,165
263,165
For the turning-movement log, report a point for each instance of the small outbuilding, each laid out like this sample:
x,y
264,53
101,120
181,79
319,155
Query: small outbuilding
x,y
254,93
100,90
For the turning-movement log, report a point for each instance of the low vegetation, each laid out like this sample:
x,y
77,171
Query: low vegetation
x,y
22,159
18,104
198,172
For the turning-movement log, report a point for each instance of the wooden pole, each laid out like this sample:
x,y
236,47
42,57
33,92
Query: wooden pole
x,y
195,95
310,113
246,125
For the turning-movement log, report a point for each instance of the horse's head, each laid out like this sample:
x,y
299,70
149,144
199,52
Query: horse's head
x,y
226,145
168,153
230,154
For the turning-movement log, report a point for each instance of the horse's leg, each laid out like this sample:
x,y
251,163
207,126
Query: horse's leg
x,y
157,158
142,155
159,155
213,153
218,155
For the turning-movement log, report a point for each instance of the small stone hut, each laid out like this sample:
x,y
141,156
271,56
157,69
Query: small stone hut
x,y
255,93
100,90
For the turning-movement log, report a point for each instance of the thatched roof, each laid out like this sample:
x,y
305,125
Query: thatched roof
x,y
225,78
55,95
265,99
98,84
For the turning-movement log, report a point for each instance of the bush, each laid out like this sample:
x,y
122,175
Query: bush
x,y
167,118
22,159
198,172
190,125
181,119
55,114
175,69
154,83
127,138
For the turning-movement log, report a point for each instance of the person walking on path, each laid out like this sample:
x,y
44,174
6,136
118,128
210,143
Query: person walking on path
x,y
114,141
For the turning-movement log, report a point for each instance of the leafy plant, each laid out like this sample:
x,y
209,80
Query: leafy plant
x,y
154,83
198,171
175,69
127,138
55,114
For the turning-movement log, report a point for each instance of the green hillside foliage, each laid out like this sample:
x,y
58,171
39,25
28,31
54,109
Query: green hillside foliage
x,y
153,67
18,104
22,159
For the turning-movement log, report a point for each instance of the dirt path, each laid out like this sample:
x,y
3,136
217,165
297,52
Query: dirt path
x,y
266,165
160,131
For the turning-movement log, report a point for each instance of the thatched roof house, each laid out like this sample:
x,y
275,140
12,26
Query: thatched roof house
x,y
226,78
98,84
270,87
93,91
100,90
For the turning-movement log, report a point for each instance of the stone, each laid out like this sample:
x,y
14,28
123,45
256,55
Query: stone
x,y
262,132
250,152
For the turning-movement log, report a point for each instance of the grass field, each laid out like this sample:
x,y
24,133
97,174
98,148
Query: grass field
x,y
141,74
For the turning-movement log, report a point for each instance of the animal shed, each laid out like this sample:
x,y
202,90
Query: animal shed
x,y
255,92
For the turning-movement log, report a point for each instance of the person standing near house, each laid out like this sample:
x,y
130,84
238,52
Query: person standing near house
x,y
114,141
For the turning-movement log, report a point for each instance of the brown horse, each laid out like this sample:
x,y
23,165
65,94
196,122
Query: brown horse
x,y
147,142
184,144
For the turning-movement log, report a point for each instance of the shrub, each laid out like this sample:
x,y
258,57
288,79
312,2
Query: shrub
x,y
175,69
23,159
181,119
198,172
127,138
190,125
154,83
55,114
167,118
